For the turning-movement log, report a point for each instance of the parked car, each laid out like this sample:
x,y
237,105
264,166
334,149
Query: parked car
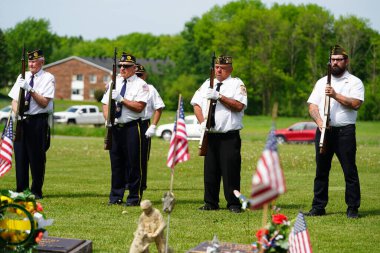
x,y
298,132
193,129
4,114
80,114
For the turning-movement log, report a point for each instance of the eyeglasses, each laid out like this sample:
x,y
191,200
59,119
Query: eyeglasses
x,y
337,59
124,66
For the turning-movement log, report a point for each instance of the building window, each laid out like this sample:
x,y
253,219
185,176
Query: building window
x,y
92,92
106,78
92,78
76,91
78,77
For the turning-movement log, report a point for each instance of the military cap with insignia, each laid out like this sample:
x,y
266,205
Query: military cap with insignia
x,y
128,58
140,68
338,50
223,60
34,55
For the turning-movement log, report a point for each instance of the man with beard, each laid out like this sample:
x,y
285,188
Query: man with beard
x,y
346,96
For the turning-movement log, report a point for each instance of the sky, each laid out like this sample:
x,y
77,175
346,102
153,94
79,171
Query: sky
x,y
94,19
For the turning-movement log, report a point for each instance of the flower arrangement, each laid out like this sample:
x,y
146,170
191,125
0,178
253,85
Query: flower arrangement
x,y
274,236
22,221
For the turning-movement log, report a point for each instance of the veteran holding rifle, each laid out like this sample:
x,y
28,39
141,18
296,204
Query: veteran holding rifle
x,y
346,94
131,95
33,134
222,160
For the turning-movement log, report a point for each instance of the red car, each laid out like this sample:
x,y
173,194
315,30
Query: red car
x,y
298,132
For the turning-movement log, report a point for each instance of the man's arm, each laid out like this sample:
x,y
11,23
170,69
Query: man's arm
x,y
135,106
41,100
198,113
231,103
351,103
314,114
156,116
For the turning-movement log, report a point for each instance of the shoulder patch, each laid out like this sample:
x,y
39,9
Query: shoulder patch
x,y
145,87
243,90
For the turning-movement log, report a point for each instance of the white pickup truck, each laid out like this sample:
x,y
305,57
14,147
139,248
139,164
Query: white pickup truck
x,y
80,114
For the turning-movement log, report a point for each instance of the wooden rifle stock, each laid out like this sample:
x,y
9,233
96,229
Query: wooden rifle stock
x,y
204,136
326,113
111,107
20,102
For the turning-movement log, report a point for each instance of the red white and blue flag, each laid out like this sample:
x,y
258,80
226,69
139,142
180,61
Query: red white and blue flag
x,y
178,150
269,181
6,148
299,239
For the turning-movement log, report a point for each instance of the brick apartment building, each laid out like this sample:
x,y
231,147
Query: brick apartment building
x,y
77,78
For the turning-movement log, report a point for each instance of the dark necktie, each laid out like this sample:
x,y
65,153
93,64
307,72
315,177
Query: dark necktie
x,y
119,106
213,106
28,96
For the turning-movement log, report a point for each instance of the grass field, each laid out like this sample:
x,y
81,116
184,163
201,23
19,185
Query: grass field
x,y
77,185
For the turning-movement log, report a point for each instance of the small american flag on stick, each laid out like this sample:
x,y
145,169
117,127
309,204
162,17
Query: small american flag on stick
x,y
6,148
178,150
299,239
269,181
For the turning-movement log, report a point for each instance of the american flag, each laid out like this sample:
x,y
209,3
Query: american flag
x,y
269,181
299,240
178,150
6,148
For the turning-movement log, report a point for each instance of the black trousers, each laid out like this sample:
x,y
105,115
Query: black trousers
x,y
342,142
146,142
31,151
125,156
223,161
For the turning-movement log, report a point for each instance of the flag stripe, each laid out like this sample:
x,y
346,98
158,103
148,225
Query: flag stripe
x,y
6,148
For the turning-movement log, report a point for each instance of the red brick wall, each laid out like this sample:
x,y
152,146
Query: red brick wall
x,y
64,72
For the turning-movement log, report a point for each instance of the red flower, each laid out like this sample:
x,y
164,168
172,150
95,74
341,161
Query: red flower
x,y
261,233
39,207
279,218
39,237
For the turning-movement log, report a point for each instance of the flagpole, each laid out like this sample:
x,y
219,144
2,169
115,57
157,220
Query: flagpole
x,y
266,205
172,177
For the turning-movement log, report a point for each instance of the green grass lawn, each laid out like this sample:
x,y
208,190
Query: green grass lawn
x,y
77,185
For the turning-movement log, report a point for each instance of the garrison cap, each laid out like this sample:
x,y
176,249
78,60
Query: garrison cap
x,y
223,60
128,58
34,55
338,50
140,68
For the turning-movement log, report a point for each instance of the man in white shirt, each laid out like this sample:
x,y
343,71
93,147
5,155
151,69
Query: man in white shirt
x,y
30,150
151,117
346,96
131,95
223,158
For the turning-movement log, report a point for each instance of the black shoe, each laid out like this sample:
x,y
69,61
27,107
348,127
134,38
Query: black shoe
x,y
37,196
235,209
208,207
316,212
132,204
352,213
117,202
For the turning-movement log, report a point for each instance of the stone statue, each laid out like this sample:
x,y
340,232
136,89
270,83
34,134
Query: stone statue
x,y
150,229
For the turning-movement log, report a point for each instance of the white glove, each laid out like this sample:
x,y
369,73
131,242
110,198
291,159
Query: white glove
x,y
203,125
24,84
150,131
212,94
116,96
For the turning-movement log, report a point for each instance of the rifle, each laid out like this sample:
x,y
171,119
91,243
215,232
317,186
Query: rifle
x,y
21,102
204,137
111,107
326,114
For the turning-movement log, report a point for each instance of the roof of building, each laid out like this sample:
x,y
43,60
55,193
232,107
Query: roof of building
x,y
106,63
